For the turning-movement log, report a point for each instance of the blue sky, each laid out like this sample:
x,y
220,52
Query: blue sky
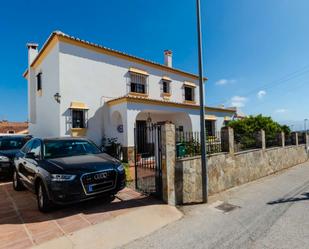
x,y
256,52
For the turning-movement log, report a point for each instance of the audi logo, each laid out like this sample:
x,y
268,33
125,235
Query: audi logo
x,y
100,176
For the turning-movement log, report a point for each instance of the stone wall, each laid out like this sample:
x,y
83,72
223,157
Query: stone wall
x,y
227,170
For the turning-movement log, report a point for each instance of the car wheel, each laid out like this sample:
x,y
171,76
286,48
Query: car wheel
x,y
17,184
44,204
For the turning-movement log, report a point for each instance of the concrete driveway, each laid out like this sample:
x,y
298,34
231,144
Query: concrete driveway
x,y
23,226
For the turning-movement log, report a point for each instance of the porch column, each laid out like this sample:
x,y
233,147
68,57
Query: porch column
x,y
168,150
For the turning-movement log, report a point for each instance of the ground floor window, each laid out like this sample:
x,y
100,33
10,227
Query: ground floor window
x,y
78,119
210,127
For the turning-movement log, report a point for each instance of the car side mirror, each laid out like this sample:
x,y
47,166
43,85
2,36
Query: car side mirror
x,y
30,155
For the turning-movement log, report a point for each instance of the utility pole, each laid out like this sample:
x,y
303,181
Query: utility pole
x,y
202,107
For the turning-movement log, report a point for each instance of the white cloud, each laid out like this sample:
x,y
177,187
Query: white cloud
x,y
281,110
238,101
222,82
261,94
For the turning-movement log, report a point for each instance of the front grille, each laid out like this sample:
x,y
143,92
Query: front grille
x,y
98,182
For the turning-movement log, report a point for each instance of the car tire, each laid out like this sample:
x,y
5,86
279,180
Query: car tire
x,y
44,204
17,184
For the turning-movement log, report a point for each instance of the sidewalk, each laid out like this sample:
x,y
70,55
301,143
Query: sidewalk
x,y
94,219
118,231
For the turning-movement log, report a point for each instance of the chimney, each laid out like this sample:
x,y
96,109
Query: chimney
x,y
32,52
168,54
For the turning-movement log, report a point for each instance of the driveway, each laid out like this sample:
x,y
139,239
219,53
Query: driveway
x,y
23,226
269,213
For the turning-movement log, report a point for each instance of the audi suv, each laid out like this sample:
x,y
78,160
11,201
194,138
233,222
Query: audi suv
x,y
66,170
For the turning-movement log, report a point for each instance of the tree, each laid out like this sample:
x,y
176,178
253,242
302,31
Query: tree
x,y
245,129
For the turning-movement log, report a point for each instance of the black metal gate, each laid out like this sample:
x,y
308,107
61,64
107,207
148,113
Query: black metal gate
x,y
148,158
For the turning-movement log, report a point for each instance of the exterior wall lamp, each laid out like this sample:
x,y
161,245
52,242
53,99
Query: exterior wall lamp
x,y
57,97
149,120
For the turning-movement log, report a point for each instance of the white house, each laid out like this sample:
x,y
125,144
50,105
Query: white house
x,y
77,88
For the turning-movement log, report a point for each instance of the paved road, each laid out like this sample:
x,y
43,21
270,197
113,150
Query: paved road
x,y
273,213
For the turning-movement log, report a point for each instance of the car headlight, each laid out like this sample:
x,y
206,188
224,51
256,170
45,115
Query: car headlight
x,y
62,177
120,168
4,159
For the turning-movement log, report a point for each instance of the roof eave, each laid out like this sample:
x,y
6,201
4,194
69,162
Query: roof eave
x,y
115,52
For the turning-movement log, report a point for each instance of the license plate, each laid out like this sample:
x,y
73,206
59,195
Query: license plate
x,y
90,189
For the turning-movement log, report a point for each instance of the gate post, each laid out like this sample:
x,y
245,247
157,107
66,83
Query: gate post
x,y
168,149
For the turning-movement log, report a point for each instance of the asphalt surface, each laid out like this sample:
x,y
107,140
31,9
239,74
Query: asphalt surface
x,y
272,213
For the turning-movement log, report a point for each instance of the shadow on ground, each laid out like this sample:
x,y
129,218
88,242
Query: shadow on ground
x,y
21,207
292,199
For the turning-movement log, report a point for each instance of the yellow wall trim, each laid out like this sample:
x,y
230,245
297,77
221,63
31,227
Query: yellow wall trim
x,y
144,95
150,102
189,84
166,78
138,71
78,105
210,117
78,132
129,99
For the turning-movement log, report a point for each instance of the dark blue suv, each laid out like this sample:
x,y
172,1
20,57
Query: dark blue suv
x,y
66,170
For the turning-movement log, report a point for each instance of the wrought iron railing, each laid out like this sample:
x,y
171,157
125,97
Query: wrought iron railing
x,y
188,144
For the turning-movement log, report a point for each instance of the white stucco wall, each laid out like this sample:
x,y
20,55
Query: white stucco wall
x,y
94,78
44,108
220,115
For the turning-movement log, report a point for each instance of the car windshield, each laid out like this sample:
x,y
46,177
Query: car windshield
x,y
12,142
67,148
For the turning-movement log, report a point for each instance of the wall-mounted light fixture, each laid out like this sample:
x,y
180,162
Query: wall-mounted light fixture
x,y
149,120
57,97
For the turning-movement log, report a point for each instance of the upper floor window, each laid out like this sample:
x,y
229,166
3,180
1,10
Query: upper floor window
x,y
166,86
39,82
189,93
138,83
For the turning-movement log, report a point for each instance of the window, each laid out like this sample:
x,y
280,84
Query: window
x,y
36,148
138,83
11,132
210,127
78,118
27,146
165,86
11,142
67,148
39,82
189,93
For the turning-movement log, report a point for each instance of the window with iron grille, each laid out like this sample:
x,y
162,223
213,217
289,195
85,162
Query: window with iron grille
x,y
189,93
210,127
78,118
138,83
165,86
39,82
